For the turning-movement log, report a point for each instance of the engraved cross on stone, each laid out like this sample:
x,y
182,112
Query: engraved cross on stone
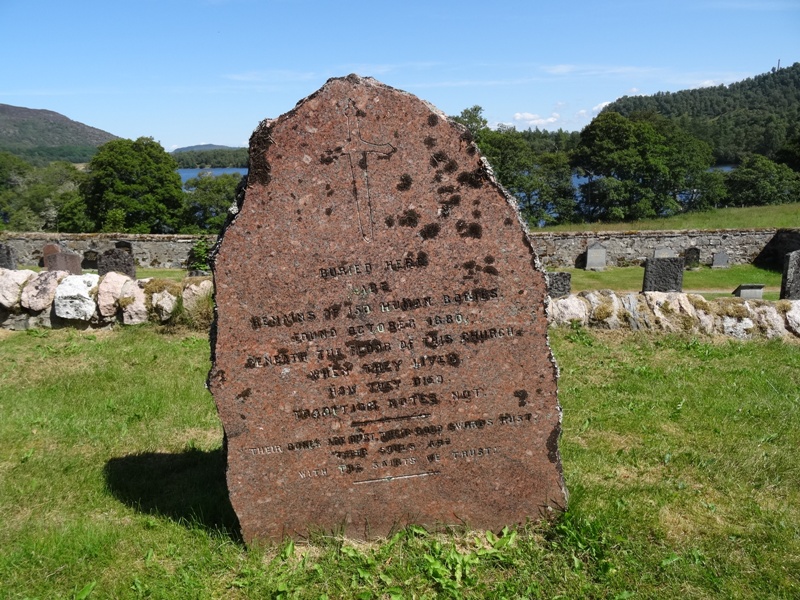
x,y
357,148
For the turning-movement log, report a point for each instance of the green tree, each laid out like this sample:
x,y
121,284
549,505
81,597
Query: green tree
x,y
472,118
639,167
207,201
541,182
758,181
37,195
133,186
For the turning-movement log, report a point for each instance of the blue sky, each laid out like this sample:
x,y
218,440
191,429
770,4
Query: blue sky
x,y
189,72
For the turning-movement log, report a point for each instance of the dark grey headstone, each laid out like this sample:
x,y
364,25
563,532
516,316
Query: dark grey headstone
x,y
720,260
116,259
664,253
663,275
691,257
559,283
752,291
790,283
596,257
8,257
57,259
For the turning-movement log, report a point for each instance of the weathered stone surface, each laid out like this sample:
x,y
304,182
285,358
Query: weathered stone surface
x,y
769,321
739,328
559,283
193,292
12,283
790,282
56,259
163,304
381,353
74,297
40,291
117,260
793,318
8,257
564,311
605,308
109,292
133,303
663,275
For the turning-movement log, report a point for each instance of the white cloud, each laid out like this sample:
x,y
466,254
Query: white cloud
x,y
596,109
534,120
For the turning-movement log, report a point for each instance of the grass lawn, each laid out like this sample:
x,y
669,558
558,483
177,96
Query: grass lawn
x,y
779,216
680,455
710,282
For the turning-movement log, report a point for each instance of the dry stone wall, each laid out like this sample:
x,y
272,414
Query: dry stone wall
x,y
765,247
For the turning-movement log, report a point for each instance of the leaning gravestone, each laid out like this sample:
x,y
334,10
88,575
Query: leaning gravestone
x,y
380,353
790,282
118,260
596,257
8,257
663,275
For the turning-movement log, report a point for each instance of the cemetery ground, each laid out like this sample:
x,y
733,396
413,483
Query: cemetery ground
x,y
680,454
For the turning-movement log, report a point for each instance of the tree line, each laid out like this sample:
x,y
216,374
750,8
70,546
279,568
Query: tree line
x,y
130,186
618,168
627,168
759,115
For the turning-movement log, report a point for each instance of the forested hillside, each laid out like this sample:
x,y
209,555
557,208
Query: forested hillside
x,y
200,157
42,136
755,116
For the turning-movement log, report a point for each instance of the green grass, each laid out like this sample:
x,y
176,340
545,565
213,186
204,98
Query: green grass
x,y
710,282
780,216
680,455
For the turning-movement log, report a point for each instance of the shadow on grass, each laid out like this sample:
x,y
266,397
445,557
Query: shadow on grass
x,y
188,487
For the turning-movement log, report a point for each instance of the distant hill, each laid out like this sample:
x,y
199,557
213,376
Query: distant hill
x,y
757,115
204,148
41,136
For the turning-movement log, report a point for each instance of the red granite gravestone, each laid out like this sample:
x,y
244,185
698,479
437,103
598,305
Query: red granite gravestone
x,y
55,258
381,353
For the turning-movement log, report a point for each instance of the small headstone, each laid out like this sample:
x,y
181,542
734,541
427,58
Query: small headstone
x,y
596,257
752,291
691,257
663,275
790,282
8,257
90,259
118,260
381,352
51,249
56,258
720,260
123,245
559,283
664,252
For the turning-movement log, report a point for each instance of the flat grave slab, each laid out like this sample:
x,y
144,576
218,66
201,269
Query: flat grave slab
x,y
381,353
